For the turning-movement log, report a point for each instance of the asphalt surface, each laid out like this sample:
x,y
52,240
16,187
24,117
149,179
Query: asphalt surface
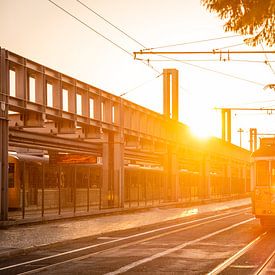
x,y
17,239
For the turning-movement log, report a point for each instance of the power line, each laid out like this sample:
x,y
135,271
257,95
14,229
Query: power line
x,y
192,42
107,21
120,30
259,101
214,71
141,85
267,62
230,46
89,27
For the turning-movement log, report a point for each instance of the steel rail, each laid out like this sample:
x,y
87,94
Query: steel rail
x,y
264,266
237,255
159,231
174,249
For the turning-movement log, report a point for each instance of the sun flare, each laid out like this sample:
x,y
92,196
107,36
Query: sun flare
x,y
205,124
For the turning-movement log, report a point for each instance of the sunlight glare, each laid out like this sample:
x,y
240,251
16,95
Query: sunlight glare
x,y
205,124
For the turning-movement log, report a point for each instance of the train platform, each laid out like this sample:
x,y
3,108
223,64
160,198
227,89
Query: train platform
x,y
28,237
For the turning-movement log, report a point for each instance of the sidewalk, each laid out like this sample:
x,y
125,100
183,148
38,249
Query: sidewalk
x,y
18,239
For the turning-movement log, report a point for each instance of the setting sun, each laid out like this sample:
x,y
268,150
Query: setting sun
x,y
205,123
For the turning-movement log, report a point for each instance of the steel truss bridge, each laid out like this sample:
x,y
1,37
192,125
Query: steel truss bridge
x,y
44,109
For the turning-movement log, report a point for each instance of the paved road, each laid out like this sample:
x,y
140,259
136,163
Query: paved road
x,y
193,244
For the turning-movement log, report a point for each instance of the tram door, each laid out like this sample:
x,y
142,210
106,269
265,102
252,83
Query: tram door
x,y
264,198
34,180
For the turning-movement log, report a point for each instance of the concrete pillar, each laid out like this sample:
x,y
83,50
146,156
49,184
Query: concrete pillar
x,y
170,95
205,183
4,136
171,171
244,178
229,177
174,176
107,171
253,139
112,192
226,125
118,171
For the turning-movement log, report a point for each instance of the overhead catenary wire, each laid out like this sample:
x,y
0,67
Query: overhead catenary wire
x,y
110,23
267,62
140,85
230,46
92,29
192,42
103,36
120,30
214,71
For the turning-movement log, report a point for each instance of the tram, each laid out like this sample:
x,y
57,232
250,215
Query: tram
x,y
25,180
263,175
22,168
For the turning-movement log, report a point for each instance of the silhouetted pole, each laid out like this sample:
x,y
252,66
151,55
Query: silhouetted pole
x,y
240,130
253,139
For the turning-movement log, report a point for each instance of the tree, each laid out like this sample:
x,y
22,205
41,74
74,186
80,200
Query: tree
x,y
255,18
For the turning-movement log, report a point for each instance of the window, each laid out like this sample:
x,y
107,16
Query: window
x,y
11,175
102,111
65,100
92,111
113,114
262,173
31,89
273,173
78,104
12,83
49,95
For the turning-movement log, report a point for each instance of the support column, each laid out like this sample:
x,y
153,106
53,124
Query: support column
x,y
226,125
205,188
229,176
171,170
112,171
107,171
174,176
118,171
253,139
170,94
4,135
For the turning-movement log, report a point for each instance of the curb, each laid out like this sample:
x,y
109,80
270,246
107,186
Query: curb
x,y
112,211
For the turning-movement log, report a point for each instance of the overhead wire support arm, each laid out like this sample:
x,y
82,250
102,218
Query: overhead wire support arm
x,y
200,52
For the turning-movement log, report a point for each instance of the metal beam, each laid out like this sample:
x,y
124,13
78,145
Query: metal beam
x,y
200,52
4,136
48,142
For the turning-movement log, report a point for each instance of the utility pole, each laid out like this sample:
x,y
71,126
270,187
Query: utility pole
x,y
240,130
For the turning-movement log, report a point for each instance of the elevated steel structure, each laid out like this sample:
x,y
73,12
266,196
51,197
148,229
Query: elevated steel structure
x,y
48,110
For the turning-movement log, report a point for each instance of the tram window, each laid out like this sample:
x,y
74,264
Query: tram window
x,y
11,175
262,173
273,173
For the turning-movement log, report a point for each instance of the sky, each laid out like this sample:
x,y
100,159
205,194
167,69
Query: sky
x,y
40,31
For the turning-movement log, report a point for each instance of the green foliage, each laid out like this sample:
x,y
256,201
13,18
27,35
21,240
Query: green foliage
x,y
255,18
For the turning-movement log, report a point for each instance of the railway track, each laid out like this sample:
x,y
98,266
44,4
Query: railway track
x,y
242,263
267,265
179,236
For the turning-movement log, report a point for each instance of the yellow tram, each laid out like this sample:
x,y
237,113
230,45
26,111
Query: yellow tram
x,y
263,179
22,168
